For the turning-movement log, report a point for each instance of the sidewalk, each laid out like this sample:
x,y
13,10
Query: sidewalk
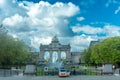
x,y
61,78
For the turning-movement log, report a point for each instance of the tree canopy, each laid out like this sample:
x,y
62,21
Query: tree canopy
x,y
12,50
103,52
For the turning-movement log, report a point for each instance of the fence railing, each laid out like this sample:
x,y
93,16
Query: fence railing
x,y
9,72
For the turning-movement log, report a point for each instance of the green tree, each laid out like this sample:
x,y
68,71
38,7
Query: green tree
x,y
3,30
106,51
86,56
12,50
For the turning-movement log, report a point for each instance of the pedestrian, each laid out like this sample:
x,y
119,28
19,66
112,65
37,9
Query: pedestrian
x,y
74,72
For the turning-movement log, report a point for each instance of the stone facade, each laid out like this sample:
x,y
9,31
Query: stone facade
x,y
55,46
76,57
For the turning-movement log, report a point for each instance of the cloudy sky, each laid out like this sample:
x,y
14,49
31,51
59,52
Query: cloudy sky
x,y
74,21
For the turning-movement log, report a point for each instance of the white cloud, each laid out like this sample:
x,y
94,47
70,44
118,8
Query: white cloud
x,y
80,18
9,8
58,9
44,16
111,2
109,30
116,11
112,30
86,29
13,20
2,2
37,22
79,43
36,41
116,2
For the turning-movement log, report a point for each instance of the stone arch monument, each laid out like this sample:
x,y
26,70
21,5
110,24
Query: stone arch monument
x,y
55,46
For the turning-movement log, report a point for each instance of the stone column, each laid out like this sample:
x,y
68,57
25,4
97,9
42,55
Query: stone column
x,y
68,55
59,56
51,52
41,56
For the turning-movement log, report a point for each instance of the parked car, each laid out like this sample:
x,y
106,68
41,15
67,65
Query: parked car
x,y
63,73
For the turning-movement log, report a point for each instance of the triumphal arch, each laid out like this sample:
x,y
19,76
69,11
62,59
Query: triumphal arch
x,y
55,48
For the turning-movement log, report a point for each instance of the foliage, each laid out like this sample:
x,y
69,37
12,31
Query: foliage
x,y
86,55
103,52
12,50
3,31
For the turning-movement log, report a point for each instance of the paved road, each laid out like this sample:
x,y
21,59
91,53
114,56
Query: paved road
x,y
63,78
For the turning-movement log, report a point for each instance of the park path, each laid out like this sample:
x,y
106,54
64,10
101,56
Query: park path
x,y
63,78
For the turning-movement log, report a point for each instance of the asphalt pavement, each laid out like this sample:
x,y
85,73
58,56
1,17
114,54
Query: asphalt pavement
x,y
105,77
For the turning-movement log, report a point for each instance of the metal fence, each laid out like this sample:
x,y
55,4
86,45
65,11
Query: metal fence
x,y
9,72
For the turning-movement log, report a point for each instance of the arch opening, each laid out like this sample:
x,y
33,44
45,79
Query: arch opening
x,y
47,56
63,56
